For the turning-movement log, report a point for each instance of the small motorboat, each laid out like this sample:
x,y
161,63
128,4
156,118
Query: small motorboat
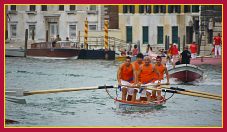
x,y
186,72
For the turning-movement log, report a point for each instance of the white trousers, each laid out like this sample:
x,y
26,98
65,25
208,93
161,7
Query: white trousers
x,y
217,50
129,90
193,55
143,93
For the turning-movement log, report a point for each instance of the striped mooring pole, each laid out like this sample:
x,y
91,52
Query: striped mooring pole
x,y
106,25
85,34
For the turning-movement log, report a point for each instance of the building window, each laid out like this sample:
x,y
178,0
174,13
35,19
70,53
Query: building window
x,y
189,34
13,7
145,34
175,34
174,8
44,8
160,35
92,27
159,9
92,8
31,31
145,9
13,29
128,9
195,8
128,34
32,7
72,7
72,31
187,8
61,7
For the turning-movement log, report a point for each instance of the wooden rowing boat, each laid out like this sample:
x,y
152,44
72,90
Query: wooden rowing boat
x,y
186,72
138,106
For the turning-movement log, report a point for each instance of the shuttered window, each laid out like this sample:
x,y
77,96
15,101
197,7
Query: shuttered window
x,y
32,7
187,9
44,7
160,35
145,34
175,34
61,7
72,7
129,34
13,7
189,34
195,8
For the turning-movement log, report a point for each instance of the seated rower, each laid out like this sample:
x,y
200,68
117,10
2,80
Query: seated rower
x,y
146,73
162,70
126,76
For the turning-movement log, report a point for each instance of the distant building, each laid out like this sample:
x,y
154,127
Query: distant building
x,y
65,20
151,24
157,25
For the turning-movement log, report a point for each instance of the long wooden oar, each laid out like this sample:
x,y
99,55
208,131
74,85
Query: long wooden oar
x,y
26,93
185,93
190,91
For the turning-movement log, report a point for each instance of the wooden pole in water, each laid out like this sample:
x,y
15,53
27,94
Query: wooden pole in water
x,y
26,43
85,34
106,25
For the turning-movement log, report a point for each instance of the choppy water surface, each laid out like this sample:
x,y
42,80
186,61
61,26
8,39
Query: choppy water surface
x,y
95,107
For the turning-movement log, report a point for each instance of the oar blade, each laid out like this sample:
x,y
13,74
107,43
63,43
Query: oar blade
x,y
16,100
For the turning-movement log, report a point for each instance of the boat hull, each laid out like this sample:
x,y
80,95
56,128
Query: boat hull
x,y
138,106
186,72
57,53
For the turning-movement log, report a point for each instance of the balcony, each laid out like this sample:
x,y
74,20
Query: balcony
x,y
90,12
31,12
71,12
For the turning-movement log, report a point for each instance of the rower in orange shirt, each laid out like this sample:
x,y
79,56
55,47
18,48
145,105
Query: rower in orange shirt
x,y
161,68
126,75
147,76
137,64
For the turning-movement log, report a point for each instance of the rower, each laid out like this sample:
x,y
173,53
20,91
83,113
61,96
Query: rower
x,y
146,73
136,64
161,68
126,76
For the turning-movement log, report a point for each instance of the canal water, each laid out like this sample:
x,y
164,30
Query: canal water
x,y
94,108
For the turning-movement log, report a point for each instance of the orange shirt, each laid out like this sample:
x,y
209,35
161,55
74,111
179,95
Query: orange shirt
x,y
137,67
127,73
146,74
161,70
